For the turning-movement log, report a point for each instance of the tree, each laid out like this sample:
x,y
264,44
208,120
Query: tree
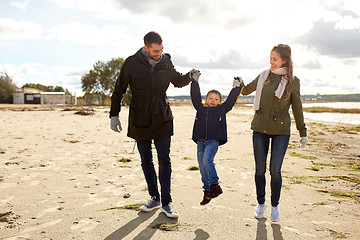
x,y
101,79
44,88
7,88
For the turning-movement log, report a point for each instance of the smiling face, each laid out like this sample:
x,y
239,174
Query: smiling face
x,y
275,60
154,51
213,99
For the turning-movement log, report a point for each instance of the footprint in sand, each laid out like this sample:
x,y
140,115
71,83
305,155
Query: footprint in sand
x,y
84,225
34,183
8,185
94,200
36,228
46,211
6,200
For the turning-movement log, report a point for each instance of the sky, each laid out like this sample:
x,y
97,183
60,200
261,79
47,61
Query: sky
x,y
55,42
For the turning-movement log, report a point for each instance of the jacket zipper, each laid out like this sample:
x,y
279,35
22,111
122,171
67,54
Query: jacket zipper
x,y
206,123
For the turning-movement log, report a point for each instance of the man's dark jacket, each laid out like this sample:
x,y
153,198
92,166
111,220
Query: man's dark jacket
x,y
150,116
210,122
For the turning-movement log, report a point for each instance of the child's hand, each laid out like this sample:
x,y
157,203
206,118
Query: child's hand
x,y
237,82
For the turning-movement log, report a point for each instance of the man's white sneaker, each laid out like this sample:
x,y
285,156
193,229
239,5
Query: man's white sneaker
x,y
275,215
169,211
259,213
151,205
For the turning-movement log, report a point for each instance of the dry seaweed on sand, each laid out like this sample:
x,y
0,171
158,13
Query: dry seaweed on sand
x,y
85,111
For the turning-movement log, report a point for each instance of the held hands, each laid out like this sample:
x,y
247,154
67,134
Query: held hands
x,y
194,75
237,82
115,124
303,141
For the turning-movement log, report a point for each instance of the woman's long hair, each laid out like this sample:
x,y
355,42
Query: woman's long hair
x,y
285,54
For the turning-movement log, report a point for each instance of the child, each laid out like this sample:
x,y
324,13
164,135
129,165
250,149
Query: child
x,y
209,132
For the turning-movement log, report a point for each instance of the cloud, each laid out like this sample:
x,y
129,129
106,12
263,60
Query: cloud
x,y
19,30
231,59
20,4
311,64
339,8
326,39
88,34
226,14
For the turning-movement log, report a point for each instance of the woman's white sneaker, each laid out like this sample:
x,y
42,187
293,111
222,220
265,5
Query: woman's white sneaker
x,y
259,213
275,215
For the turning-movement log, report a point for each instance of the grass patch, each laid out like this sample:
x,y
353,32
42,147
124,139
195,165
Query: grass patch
x,y
71,141
337,193
85,111
354,165
314,179
193,168
314,168
299,155
124,160
134,206
336,234
320,127
167,226
348,130
318,166
296,180
353,178
187,158
320,203
332,110
323,179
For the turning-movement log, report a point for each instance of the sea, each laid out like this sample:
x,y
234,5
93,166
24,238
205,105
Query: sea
x,y
349,118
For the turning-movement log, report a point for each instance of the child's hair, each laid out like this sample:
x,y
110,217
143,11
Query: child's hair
x,y
214,91
285,53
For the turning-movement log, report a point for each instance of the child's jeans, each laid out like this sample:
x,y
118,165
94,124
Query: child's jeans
x,y
206,150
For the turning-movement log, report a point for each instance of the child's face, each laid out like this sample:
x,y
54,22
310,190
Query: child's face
x,y
213,99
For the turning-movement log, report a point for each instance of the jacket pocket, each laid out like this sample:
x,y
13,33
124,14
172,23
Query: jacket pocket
x,y
256,123
164,113
139,117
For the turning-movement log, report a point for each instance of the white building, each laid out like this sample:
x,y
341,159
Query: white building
x,y
34,96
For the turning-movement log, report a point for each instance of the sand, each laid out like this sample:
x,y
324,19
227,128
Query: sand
x,y
66,176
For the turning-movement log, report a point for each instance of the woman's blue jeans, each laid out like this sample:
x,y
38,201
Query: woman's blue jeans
x,y
163,151
279,144
206,151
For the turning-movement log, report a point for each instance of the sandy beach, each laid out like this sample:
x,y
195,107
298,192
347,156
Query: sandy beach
x,y
69,176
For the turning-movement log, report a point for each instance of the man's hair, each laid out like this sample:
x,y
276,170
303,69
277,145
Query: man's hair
x,y
214,91
152,37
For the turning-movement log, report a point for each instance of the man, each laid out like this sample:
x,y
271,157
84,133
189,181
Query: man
x,y
149,73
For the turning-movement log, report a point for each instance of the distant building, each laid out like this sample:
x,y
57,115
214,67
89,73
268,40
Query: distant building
x,y
35,96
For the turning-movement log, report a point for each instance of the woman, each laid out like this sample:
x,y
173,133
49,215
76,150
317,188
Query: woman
x,y
276,89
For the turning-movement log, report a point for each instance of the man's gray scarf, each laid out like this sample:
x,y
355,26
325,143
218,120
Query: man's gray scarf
x,y
151,61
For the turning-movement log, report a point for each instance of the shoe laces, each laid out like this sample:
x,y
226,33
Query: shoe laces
x,y
151,200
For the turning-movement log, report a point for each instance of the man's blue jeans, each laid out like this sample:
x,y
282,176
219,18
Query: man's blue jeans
x,y
206,151
163,151
279,144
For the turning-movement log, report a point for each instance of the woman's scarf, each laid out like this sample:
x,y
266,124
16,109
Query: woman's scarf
x,y
263,76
